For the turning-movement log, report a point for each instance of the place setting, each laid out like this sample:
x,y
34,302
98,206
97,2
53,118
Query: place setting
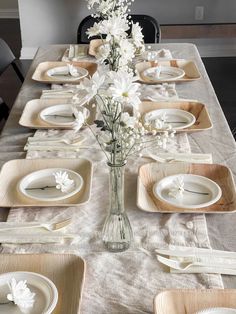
x,y
36,283
187,188
45,182
159,71
196,301
56,114
63,72
179,114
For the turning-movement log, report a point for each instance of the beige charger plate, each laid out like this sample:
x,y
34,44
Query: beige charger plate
x,y
189,67
40,73
199,110
189,301
93,46
67,272
30,116
14,170
150,173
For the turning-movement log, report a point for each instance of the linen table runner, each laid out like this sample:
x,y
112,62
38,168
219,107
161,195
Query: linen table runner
x,y
120,282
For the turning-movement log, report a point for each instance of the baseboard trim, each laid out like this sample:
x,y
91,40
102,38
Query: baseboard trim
x,y
28,52
9,13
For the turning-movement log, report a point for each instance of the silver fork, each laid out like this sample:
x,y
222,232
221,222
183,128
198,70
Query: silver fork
x,y
28,225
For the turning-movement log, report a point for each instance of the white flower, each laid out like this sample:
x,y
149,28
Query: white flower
x,y
128,120
123,89
137,35
178,188
126,50
63,182
92,2
94,30
80,100
92,85
21,295
80,118
115,26
73,70
103,52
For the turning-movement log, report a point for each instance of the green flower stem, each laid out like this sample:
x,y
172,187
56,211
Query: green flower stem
x,y
195,192
42,188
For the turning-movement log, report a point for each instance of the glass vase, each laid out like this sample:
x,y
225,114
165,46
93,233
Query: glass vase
x,y
117,232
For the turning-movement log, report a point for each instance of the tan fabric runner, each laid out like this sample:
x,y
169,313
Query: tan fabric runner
x,y
123,282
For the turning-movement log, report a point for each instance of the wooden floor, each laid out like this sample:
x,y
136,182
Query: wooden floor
x,y
222,73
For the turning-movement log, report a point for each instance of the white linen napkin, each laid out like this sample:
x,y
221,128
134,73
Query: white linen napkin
x,y
162,54
180,157
35,236
198,260
163,91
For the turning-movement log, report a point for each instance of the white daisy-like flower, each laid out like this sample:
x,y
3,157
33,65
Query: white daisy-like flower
x,y
21,295
137,35
178,188
94,30
124,89
128,120
103,52
63,182
115,26
94,84
73,70
80,118
91,3
127,51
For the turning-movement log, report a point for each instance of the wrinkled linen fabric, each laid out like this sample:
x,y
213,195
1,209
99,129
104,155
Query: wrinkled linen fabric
x,y
127,282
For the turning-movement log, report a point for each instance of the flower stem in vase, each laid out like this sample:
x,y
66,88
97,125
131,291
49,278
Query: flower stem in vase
x,y
117,231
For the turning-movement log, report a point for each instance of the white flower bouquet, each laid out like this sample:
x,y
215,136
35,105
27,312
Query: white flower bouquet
x,y
120,36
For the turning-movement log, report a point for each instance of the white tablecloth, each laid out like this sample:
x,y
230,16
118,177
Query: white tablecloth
x,y
127,282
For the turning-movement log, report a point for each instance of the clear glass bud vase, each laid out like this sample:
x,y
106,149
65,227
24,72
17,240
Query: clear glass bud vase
x,y
117,232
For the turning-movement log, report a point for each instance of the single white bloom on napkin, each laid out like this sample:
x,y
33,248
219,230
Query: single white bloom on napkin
x,y
158,71
80,118
63,182
21,295
178,188
73,71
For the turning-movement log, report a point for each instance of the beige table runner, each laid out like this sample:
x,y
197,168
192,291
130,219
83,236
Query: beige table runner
x,y
123,282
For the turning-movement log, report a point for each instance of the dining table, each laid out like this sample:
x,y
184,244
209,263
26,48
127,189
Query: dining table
x,y
127,282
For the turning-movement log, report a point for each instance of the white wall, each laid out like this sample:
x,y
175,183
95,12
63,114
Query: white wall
x,y
56,21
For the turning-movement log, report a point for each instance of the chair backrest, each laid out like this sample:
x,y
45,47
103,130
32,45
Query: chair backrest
x,y
6,56
151,29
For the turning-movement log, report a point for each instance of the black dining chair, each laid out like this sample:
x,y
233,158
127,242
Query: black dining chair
x,y
150,28
7,58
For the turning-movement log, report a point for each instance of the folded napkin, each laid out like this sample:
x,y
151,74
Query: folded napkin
x,y
76,52
179,157
163,91
198,260
54,147
67,70
61,93
35,236
152,55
